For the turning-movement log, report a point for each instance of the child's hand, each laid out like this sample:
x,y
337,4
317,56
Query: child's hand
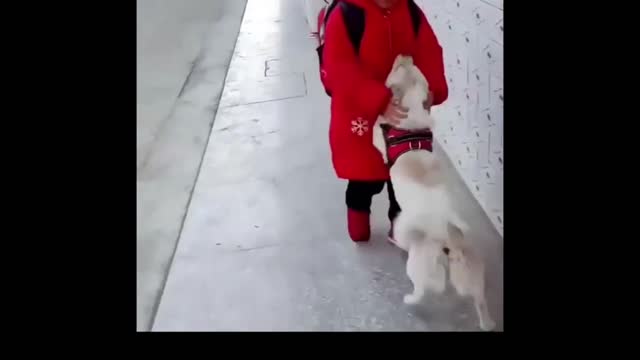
x,y
394,113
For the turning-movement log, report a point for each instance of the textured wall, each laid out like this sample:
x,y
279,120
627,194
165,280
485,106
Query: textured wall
x,y
470,126
471,121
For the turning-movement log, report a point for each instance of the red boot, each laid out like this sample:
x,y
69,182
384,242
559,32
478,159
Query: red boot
x,y
358,224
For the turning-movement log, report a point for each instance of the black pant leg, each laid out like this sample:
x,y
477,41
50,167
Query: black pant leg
x,y
394,207
360,193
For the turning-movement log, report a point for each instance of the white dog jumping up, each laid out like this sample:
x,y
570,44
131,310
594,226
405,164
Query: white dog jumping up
x,y
427,226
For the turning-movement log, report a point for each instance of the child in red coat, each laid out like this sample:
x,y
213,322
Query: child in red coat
x,y
359,96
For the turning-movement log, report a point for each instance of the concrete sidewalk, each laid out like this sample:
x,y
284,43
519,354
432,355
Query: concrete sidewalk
x,y
264,245
183,53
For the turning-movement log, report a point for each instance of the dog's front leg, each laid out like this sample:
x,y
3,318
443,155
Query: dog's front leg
x,y
414,272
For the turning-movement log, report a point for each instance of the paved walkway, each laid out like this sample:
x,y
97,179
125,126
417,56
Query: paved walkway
x,y
184,50
264,245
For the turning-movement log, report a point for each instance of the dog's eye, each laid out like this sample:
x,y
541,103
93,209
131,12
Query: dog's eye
x,y
477,188
488,54
499,219
477,16
477,77
500,160
489,117
488,177
501,97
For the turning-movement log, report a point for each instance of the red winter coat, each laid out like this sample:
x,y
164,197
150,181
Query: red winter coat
x,y
357,82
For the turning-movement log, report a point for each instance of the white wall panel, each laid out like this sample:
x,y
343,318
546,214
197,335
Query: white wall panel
x,y
471,121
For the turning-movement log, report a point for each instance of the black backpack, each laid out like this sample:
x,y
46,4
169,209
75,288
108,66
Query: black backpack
x,y
354,21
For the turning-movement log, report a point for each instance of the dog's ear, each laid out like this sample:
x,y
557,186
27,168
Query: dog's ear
x,y
404,60
396,62
419,77
408,60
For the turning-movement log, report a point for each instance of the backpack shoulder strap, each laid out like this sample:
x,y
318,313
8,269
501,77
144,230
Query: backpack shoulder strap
x,y
354,20
330,8
414,11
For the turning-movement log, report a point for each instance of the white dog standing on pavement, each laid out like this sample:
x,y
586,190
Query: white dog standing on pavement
x,y
427,227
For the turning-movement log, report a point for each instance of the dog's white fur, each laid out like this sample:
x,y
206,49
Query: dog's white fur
x,y
428,223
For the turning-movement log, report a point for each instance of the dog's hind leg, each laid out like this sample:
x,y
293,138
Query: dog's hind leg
x,y
437,279
466,273
415,297
415,273
423,279
458,272
478,284
486,323
402,231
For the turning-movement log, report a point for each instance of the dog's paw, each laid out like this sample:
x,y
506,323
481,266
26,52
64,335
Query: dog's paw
x,y
487,324
411,299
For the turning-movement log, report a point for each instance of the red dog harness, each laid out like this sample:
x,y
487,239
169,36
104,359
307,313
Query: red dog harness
x,y
399,141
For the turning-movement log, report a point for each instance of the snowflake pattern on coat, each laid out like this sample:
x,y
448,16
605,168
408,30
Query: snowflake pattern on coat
x,y
359,126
